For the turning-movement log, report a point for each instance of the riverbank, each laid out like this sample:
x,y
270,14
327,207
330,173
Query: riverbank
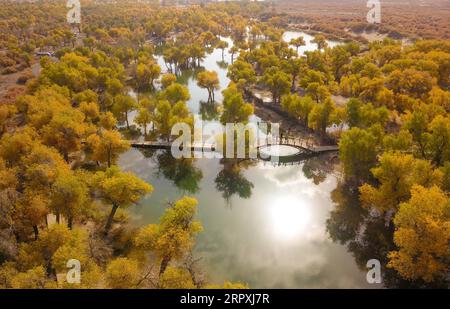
x,y
293,128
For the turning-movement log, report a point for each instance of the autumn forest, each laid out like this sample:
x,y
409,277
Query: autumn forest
x,y
86,109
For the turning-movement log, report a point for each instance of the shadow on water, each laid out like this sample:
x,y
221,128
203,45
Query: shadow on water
x,y
222,64
187,75
209,111
317,169
231,180
182,172
367,236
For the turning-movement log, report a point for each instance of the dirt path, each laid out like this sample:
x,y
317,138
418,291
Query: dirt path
x,y
10,80
289,126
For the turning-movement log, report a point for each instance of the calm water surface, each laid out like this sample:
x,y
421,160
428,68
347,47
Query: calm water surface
x,y
263,224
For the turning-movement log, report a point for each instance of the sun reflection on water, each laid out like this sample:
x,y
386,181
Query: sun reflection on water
x,y
289,216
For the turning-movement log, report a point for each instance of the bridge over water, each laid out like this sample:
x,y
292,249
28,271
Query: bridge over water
x,y
303,147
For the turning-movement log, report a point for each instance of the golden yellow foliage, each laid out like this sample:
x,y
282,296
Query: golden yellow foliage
x,y
422,235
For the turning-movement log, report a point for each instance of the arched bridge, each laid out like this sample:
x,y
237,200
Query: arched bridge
x,y
299,144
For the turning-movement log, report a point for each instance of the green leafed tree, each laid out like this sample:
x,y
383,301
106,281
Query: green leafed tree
x,y
358,153
235,109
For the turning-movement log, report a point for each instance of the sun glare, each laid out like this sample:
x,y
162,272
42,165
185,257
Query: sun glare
x,y
289,216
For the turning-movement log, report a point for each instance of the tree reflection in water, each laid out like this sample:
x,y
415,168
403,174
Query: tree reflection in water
x,y
231,181
367,236
181,172
319,168
209,111
185,75
222,64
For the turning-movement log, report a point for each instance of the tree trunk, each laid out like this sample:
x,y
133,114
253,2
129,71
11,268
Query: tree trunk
x,y
58,218
422,149
210,97
165,261
66,157
110,219
293,84
126,119
36,232
70,222
109,156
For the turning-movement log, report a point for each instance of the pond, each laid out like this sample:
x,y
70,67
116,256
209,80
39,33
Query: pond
x,y
310,46
262,224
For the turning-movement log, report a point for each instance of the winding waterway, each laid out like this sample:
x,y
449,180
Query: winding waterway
x,y
262,224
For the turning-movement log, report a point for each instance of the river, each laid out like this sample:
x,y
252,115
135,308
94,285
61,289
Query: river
x,y
262,224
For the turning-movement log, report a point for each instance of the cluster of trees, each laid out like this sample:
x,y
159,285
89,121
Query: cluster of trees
x,y
397,115
62,194
61,140
23,33
301,86
397,150
398,139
